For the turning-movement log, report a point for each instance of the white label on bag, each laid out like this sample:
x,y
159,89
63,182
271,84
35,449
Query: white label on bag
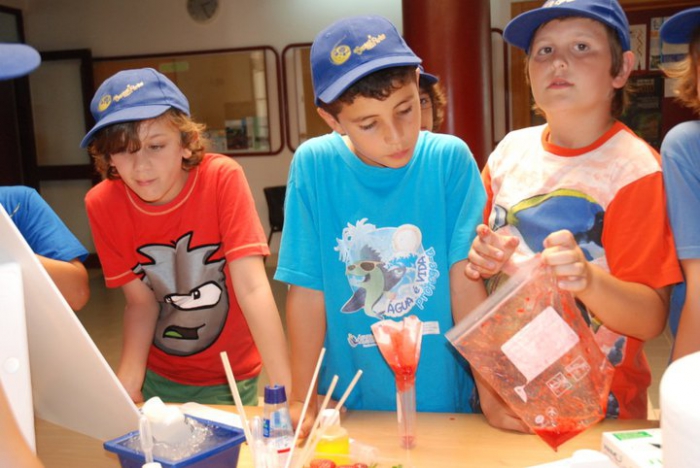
x,y
540,343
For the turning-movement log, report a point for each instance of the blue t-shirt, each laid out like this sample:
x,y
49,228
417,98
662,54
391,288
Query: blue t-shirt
x,y
379,243
40,226
680,151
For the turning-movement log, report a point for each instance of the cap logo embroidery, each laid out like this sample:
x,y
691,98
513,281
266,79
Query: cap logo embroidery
x,y
128,91
340,54
552,3
105,101
371,43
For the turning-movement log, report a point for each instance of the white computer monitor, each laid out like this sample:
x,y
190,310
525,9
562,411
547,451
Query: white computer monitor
x,y
72,384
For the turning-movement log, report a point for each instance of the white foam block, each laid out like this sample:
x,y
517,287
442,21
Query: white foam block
x,y
680,412
14,353
72,384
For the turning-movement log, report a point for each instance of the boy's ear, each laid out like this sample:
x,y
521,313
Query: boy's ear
x,y
628,60
330,120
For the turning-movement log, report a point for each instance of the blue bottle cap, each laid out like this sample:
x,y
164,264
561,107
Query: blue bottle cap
x,y
275,394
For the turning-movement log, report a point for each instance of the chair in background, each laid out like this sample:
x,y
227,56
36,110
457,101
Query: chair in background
x,y
275,208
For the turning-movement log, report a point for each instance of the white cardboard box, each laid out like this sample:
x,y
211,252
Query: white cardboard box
x,y
639,448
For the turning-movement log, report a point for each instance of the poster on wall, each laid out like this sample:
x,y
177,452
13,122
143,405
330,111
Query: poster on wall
x,y
638,44
643,115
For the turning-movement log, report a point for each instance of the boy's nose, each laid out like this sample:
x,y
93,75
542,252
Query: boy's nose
x,y
392,134
559,61
140,159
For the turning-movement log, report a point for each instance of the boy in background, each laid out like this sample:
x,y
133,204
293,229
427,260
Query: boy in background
x,y
680,151
432,102
379,217
56,247
177,230
585,191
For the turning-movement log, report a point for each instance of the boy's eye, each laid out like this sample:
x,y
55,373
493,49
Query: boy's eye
x,y
406,110
544,50
368,126
581,47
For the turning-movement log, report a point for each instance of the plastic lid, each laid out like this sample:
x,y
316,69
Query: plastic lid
x,y
330,417
275,394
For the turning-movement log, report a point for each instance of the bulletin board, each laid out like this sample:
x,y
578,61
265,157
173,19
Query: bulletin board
x,y
235,92
653,111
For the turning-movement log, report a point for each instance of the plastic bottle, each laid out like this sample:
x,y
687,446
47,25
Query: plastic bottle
x,y
277,424
335,442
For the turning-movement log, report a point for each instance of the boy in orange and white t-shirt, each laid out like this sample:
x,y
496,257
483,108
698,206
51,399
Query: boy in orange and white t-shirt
x,y
585,191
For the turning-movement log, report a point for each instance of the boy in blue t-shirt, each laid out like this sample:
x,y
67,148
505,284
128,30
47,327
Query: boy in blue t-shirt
x,y
379,217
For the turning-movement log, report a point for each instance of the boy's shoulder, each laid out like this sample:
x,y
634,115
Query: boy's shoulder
x,y
683,132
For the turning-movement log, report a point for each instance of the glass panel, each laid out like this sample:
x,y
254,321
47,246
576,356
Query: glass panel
x,y
234,92
57,94
303,122
66,199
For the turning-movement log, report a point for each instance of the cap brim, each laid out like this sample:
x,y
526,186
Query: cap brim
x,y
17,60
520,30
429,78
124,115
678,29
331,93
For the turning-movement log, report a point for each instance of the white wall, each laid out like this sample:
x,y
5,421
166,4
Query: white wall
x,y
135,27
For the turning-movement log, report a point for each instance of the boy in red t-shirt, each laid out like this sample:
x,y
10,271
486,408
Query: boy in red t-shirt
x,y
177,230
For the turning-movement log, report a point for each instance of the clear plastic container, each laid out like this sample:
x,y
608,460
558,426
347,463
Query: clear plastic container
x,y
400,343
529,341
277,423
335,441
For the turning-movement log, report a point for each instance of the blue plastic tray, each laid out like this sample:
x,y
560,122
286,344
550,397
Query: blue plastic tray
x,y
223,454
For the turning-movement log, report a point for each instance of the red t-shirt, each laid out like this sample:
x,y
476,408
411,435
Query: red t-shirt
x,y
181,251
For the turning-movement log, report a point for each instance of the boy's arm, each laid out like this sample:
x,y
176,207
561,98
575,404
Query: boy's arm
x,y
497,412
306,326
71,278
688,336
257,303
629,308
465,294
140,317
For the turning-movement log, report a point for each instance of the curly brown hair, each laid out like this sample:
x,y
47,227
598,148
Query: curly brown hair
x,y
378,85
124,136
686,74
438,99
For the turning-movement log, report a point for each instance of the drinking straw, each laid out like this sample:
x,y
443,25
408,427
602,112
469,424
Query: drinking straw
x,y
315,435
310,442
345,396
237,399
304,408
146,438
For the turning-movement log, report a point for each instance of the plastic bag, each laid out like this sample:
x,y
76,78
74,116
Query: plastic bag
x,y
530,342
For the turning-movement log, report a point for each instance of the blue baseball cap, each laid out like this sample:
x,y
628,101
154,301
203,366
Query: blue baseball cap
x,y
353,48
427,77
17,60
130,95
521,29
678,29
